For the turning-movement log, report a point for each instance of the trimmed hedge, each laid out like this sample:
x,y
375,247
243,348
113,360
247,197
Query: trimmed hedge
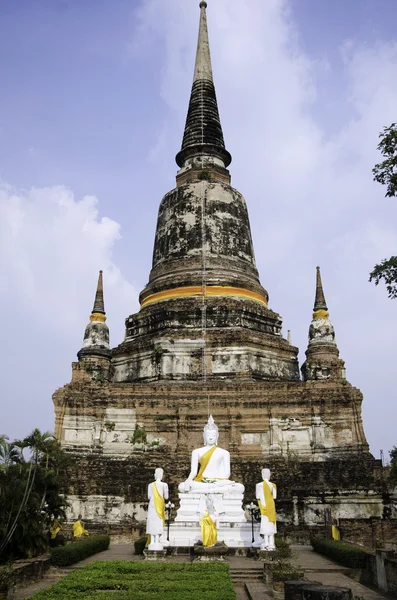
x,y
133,580
140,544
348,556
63,556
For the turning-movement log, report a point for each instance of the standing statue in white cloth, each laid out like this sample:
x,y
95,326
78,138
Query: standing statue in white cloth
x,y
266,493
157,494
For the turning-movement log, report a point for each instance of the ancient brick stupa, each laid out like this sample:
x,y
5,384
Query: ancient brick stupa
x,y
204,338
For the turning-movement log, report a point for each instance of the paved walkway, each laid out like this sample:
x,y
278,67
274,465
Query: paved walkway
x,y
322,569
245,573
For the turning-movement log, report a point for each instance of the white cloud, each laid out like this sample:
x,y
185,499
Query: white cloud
x,y
51,249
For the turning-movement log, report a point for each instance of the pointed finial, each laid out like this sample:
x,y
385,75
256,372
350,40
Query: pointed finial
x,y
203,134
203,67
98,312
320,306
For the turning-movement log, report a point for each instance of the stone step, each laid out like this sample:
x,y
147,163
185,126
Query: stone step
x,y
245,578
257,591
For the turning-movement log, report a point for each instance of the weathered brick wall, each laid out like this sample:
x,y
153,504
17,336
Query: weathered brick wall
x,y
372,533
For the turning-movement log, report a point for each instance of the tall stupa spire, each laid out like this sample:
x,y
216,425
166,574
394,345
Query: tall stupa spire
x,y
203,136
319,302
96,335
98,312
322,354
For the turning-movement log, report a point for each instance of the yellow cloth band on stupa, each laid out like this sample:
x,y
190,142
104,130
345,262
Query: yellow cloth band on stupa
x,y
210,290
204,460
269,510
159,502
320,314
98,317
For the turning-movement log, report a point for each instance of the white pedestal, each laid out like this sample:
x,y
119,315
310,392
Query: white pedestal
x,y
228,506
235,535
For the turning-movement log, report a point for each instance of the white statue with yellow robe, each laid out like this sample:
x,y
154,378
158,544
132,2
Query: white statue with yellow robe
x,y
157,494
210,502
266,493
210,467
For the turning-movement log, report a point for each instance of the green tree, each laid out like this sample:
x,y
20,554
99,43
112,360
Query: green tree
x,y
385,173
30,493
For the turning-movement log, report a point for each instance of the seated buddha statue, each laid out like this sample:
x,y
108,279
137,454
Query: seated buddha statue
x,y
210,467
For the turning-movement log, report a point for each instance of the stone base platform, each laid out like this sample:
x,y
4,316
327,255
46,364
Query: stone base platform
x,y
235,535
155,555
228,506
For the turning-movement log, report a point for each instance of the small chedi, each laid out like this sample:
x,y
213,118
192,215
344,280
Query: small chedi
x,y
157,495
206,329
266,493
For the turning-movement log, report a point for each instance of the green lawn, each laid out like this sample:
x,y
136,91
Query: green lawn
x,y
124,580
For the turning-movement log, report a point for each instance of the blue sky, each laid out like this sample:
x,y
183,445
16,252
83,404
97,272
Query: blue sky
x,y
93,102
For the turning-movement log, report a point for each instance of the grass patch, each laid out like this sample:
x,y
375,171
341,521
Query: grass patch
x,y
144,581
345,554
63,556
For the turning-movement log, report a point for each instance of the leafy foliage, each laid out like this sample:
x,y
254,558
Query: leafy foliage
x,y
287,573
387,270
386,171
63,556
144,580
345,554
386,174
393,464
140,544
30,493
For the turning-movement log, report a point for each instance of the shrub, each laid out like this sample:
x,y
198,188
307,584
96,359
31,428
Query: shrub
x,y
283,548
140,544
63,556
348,556
287,573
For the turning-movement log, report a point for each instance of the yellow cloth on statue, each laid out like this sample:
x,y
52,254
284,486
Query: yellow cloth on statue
x,y
269,510
55,529
208,530
78,530
148,540
159,502
335,533
204,460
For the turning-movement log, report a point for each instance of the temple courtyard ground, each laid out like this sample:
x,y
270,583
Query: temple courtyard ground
x,y
246,573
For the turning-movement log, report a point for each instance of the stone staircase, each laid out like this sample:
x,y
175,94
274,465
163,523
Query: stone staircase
x,y
248,583
242,575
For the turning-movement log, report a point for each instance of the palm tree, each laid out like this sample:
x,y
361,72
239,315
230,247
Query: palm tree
x,y
39,445
9,453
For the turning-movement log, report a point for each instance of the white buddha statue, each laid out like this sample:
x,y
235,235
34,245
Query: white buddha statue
x,y
157,494
266,493
210,467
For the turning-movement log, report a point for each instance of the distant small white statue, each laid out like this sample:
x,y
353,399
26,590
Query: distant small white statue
x,y
266,493
157,494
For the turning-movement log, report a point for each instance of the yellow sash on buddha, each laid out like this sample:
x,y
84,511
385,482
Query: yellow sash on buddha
x,y
159,502
269,510
335,533
204,460
208,530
